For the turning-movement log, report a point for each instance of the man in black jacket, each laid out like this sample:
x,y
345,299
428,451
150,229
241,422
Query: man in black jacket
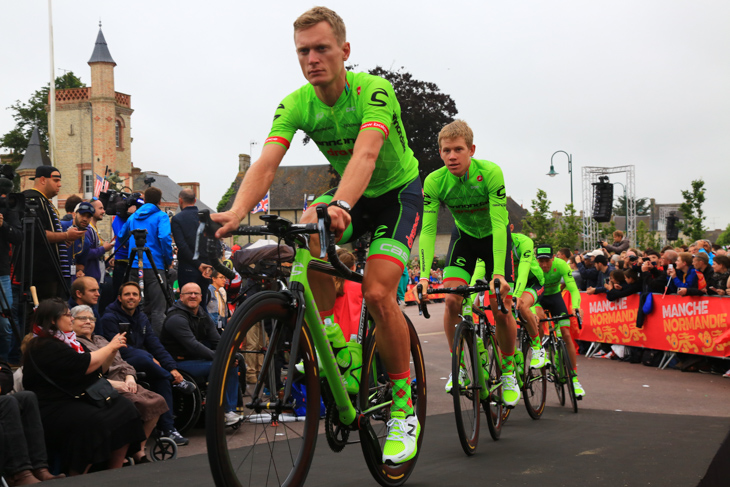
x,y
145,352
191,337
184,230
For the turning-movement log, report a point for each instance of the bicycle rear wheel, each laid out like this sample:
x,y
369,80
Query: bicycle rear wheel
x,y
568,375
555,374
272,446
375,399
534,389
466,394
494,407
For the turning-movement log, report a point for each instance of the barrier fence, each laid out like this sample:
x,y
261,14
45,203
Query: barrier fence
x,y
684,324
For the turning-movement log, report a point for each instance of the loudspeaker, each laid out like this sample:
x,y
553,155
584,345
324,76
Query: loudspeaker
x,y
672,230
602,202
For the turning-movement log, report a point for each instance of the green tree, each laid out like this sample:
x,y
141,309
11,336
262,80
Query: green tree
x,y
227,196
646,239
642,206
538,224
724,237
33,114
424,111
569,229
693,224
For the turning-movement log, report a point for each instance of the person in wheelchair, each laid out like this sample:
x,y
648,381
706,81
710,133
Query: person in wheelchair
x,y
121,375
191,337
145,353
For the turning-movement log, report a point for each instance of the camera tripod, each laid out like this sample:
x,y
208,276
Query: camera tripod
x,y
141,250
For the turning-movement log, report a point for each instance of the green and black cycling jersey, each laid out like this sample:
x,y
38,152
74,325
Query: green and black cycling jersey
x,y
478,202
528,270
367,103
561,271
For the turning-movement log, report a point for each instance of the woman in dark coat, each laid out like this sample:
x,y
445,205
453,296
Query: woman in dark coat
x,y
80,432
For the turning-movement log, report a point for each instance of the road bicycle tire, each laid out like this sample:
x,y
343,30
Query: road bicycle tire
x,y
374,401
266,448
494,407
555,372
568,368
534,388
466,396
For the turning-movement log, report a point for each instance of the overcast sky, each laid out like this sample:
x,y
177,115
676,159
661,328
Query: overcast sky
x,y
624,82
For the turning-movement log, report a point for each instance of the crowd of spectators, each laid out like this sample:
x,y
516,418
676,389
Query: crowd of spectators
x,y
70,341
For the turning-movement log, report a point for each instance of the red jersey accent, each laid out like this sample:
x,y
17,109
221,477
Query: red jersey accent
x,y
388,257
280,140
376,125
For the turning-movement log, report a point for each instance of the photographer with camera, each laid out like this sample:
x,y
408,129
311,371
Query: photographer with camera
x,y
619,243
159,241
125,208
11,235
47,184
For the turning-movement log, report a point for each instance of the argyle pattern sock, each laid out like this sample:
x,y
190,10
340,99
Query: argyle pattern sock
x,y
508,364
401,388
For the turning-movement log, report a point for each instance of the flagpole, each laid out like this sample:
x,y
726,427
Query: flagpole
x,y
52,92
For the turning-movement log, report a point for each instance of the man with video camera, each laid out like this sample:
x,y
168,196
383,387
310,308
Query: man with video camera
x,y
10,236
159,240
47,184
125,209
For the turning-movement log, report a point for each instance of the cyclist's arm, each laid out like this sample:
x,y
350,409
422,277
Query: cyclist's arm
x,y
571,286
360,168
427,239
499,218
526,248
256,183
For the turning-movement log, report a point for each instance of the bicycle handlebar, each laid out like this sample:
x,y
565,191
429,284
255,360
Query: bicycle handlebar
x,y
575,315
422,308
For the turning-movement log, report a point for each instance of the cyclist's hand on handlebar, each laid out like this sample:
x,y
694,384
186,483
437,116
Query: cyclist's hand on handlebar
x,y
424,294
229,222
503,288
339,220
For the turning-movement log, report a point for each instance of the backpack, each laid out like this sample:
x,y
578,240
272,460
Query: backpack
x,y
651,357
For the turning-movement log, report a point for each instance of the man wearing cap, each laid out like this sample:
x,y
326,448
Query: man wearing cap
x,y
587,269
85,253
47,184
555,271
603,272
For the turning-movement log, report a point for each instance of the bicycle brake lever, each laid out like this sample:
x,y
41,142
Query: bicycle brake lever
x,y
422,308
323,225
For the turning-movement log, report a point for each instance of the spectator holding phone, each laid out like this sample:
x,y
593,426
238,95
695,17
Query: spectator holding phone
x,y
603,274
683,274
718,284
622,284
701,263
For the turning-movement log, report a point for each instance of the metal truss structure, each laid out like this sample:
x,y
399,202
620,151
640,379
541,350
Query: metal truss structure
x,y
591,228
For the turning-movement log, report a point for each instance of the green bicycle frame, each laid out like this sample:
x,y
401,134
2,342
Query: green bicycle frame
x,y
299,274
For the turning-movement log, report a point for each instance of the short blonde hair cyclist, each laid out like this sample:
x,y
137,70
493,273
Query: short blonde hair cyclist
x,y
315,15
457,128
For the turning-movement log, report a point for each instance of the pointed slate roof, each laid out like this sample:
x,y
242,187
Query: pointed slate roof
x,y
34,156
101,51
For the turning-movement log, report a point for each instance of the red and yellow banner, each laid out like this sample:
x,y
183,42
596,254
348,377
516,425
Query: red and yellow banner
x,y
677,323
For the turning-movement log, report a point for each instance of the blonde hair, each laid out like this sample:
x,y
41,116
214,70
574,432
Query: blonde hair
x,y
315,15
457,128
347,258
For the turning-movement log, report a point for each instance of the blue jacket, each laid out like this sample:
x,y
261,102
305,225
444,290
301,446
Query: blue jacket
x,y
86,252
159,235
688,280
120,252
141,340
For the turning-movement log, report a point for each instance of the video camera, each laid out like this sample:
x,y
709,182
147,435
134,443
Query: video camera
x,y
8,199
118,202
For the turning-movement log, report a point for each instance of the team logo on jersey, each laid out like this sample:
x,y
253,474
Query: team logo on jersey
x,y
280,107
426,199
461,262
501,193
359,89
377,102
480,178
380,231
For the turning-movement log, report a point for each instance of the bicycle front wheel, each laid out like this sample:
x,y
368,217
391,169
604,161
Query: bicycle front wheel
x,y
493,406
568,375
534,389
465,390
274,445
375,399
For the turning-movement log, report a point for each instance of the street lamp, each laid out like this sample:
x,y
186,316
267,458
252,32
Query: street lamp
x,y
552,172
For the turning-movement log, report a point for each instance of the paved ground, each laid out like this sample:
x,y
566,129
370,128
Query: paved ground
x,y
636,426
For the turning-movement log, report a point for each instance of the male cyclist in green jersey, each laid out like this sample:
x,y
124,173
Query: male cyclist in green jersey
x,y
354,118
527,290
555,271
473,190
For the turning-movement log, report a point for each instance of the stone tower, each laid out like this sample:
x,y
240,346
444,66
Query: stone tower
x,y
93,128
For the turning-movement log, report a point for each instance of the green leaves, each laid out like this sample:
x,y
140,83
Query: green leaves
x,y
693,222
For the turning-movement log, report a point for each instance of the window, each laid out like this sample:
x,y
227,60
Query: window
x,y
118,132
88,184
